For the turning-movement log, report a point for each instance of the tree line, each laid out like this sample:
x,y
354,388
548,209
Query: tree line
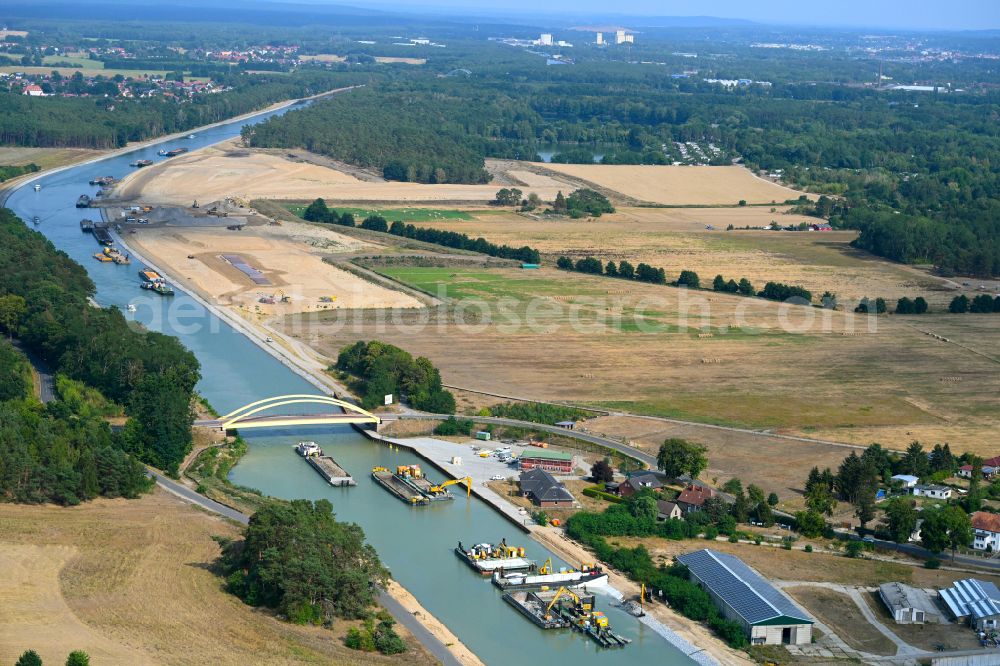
x,y
103,123
152,375
381,369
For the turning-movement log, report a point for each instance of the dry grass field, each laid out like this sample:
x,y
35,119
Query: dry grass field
x,y
229,170
680,185
128,582
677,239
290,256
925,636
712,358
839,612
46,158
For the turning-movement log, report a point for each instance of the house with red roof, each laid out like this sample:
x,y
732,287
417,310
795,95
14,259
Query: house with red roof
x,y
31,90
985,531
991,468
693,497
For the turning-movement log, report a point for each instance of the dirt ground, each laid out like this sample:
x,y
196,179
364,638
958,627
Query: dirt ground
x,y
925,636
230,170
839,612
677,239
680,185
129,583
290,256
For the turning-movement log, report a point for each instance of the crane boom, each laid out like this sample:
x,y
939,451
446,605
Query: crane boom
x,y
466,480
562,591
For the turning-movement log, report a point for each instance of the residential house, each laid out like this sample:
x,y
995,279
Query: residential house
x,y
693,497
932,491
668,510
544,490
32,90
768,616
823,226
974,601
906,480
637,482
991,467
985,531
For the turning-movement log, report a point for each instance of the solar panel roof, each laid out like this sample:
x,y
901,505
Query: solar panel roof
x,y
752,597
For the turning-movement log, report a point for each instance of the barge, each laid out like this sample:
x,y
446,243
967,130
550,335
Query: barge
x,y
139,164
402,490
487,558
152,281
565,608
172,153
325,465
546,578
103,181
410,485
102,235
87,226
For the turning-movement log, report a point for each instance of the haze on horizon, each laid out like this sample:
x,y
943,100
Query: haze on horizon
x,y
899,14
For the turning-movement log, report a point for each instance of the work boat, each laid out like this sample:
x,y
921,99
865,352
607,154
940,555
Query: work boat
x,y
487,558
545,577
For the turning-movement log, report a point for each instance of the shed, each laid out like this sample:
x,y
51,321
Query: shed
x,y
906,480
767,615
908,605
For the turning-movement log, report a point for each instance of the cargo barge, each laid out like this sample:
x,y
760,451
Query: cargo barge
x,y
565,608
113,255
139,164
487,558
104,181
102,235
546,578
327,467
172,153
87,226
411,486
152,281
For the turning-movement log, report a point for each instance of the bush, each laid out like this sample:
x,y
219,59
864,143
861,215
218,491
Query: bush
x,y
453,426
540,517
598,493
932,563
854,549
808,548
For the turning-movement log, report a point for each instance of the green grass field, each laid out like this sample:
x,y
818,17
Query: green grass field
x,y
394,214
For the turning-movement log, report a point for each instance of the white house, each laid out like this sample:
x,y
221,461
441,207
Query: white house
x,y
932,491
906,480
985,531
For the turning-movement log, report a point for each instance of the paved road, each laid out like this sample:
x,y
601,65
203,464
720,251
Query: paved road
x,y
405,618
46,389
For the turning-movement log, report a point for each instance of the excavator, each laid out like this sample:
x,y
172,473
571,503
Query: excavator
x,y
467,481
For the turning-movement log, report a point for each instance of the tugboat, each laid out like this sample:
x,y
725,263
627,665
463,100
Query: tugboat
x,y
83,201
37,187
152,281
306,449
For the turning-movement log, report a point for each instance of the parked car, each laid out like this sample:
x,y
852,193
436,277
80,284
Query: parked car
x,y
498,477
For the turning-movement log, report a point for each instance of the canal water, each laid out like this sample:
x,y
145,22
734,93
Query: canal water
x,y
415,543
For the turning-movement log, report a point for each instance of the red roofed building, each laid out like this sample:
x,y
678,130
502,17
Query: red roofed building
x,y
33,91
991,468
693,496
986,531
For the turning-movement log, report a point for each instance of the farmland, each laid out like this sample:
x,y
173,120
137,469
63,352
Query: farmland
x,y
705,357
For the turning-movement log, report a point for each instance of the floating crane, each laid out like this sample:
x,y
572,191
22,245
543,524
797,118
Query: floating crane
x,y
563,591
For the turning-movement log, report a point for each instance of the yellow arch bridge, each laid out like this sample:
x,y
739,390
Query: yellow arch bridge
x,y
335,412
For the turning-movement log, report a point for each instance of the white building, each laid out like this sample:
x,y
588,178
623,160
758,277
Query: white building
x,y
600,38
934,492
545,39
907,480
908,605
985,531
623,37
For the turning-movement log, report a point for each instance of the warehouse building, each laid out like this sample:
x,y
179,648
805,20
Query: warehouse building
x,y
556,462
908,605
974,601
768,616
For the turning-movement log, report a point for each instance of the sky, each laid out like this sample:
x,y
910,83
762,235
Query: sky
x,y
900,14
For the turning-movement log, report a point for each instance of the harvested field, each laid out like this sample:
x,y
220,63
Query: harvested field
x,y
46,158
714,358
129,583
679,185
230,170
677,239
289,256
839,612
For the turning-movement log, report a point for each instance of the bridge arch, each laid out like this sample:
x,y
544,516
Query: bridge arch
x,y
237,416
